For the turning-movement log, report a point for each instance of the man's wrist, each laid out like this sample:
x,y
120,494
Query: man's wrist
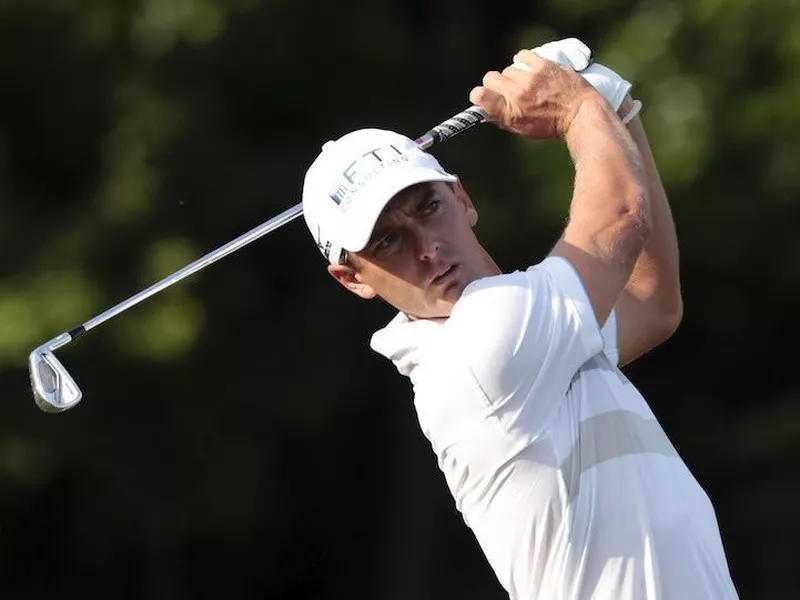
x,y
593,108
626,107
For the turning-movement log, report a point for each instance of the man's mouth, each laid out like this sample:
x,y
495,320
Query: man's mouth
x,y
443,274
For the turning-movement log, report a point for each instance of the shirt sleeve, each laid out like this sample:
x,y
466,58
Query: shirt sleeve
x,y
524,336
610,344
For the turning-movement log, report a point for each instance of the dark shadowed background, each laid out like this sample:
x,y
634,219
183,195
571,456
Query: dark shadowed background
x,y
238,439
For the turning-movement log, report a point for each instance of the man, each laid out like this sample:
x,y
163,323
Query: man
x,y
554,459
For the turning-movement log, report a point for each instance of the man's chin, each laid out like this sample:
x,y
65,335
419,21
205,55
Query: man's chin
x,y
440,309
439,306
452,293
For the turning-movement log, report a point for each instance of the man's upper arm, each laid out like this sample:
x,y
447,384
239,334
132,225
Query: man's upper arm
x,y
603,279
640,327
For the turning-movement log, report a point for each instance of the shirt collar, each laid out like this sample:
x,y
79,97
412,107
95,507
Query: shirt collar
x,y
402,340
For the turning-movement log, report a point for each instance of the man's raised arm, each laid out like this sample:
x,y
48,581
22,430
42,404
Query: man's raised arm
x,y
609,220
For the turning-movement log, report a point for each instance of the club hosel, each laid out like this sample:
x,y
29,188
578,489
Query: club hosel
x,y
60,340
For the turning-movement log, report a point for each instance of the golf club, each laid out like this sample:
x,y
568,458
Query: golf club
x,y
54,390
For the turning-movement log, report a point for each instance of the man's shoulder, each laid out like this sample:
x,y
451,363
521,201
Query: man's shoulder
x,y
524,328
552,267
490,318
499,294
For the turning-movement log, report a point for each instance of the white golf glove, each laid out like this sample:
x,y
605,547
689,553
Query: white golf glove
x,y
574,54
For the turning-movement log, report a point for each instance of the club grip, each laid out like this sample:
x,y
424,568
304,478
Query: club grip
x,y
453,126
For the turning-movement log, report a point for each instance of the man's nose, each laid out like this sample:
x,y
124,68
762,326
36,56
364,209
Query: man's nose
x,y
428,244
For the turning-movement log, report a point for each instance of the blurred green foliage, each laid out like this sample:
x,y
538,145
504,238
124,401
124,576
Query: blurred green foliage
x,y
238,439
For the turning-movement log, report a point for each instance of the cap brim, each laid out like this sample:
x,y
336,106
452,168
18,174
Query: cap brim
x,y
362,215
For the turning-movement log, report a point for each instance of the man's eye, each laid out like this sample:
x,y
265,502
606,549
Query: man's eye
x,y
430,206
385,242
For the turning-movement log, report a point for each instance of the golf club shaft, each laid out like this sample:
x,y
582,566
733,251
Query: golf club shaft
x,y
455,125
200,263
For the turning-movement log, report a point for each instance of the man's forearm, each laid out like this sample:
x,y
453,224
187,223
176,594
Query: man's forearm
x,y
655,277
609,219
610,182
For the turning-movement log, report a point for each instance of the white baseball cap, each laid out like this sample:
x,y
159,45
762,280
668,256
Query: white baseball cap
x,y
353,179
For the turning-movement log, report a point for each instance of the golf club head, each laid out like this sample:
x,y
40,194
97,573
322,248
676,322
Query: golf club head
x,y
54,390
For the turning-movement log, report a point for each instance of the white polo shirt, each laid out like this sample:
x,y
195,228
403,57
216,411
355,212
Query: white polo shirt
x,y
553,457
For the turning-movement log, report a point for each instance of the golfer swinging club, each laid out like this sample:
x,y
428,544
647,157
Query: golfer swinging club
x,y
553,457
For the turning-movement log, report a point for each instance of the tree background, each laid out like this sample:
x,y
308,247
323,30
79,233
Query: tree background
x,y
238,438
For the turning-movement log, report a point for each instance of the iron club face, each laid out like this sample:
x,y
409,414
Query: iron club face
x,y
54,390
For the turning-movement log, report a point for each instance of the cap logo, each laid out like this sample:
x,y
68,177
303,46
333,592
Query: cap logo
x,y
362,170
326,247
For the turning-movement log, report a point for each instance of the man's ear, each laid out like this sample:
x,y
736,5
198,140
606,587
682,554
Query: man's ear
x,y
463,198
349,278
